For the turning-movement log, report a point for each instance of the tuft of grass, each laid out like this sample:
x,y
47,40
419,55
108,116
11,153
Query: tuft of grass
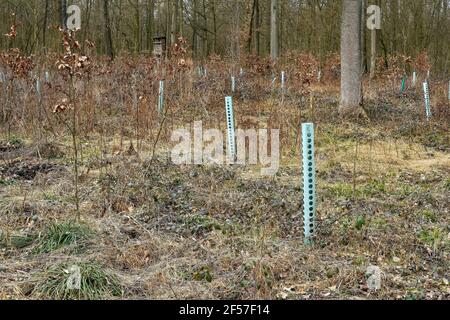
x,y
345,190
374,188
3,239
5,183
199,224
433,238
60,235
447,184
199,273
360,223
202,274
416,294
341,190
16,142
94,282
429,216
20,241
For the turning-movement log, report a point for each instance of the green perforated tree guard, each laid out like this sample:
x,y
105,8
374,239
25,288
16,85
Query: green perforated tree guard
x,y
161,97
426,92
231,130
309,183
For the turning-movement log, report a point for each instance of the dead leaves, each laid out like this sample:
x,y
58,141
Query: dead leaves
x,y
72,61
13,30
63,106
13,33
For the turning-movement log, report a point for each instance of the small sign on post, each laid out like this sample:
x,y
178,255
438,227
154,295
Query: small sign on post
x,y
231,130
426,92
309,183
414,79
159,47
161,97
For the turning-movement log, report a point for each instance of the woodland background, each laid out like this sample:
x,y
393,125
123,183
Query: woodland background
x,y
230,28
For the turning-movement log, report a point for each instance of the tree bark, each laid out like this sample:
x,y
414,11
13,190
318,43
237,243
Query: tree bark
x,y
44,29
150,23
273,30
373,53
109,42
173,28
351,58
63,14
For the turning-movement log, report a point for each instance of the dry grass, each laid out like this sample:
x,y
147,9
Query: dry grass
x,y
193,232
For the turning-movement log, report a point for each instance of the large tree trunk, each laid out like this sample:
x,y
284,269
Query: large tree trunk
x,y
44,29
373,52
63,13
257,29
109,43
150,23
181,20
351,58
273,30
173,27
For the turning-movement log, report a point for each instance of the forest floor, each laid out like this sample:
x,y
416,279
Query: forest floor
x,y
155,230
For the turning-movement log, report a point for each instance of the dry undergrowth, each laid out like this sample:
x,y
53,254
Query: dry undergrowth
x,y
169,231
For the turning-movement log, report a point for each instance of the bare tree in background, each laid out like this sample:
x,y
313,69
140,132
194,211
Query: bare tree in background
x,y
274,29
150,24
63,8
109,42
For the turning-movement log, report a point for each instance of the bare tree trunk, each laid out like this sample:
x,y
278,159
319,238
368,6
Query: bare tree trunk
x,y
214,26
195,30
205,32
138,45
181,27
44,29
363,38
87,23
252,24
258,29
168,25
63,8
150,23
373,53
173,28
351,57
273,30
109,42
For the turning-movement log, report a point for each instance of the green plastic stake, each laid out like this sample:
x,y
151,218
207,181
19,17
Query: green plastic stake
x,y
402,89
